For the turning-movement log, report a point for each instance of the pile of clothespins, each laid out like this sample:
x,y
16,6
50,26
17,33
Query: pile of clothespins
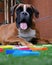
x,y
22,50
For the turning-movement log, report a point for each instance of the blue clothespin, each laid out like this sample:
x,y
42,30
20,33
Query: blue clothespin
x,y
25,53
10,51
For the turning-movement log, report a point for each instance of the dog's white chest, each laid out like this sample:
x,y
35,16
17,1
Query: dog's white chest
x,y
27,35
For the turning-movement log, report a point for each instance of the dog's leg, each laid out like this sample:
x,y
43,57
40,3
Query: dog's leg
x,y
18,40
4,43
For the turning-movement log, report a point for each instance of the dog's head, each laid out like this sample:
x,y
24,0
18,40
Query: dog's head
x,y
24,13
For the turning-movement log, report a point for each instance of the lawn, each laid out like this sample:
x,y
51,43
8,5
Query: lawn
x,y
45,58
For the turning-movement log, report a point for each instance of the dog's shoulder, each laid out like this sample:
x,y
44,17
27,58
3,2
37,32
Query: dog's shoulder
x,y
8,30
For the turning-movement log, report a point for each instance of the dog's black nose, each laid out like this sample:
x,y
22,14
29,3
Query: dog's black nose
x,y
24,13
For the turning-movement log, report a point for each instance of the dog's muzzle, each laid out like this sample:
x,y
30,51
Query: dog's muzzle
x,y
24,15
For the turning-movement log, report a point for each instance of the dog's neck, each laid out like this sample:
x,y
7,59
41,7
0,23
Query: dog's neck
x,y
24,31
27,34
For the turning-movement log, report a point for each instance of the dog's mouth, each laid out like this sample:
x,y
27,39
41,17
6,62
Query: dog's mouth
x,y
23,26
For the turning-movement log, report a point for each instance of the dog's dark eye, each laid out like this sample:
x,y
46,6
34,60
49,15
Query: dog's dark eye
x,y
29,10
20,9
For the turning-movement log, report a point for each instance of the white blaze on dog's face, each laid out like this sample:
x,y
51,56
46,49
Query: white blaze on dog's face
x,y
24,8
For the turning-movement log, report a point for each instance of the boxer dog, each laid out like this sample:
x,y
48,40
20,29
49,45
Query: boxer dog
x,y
23,31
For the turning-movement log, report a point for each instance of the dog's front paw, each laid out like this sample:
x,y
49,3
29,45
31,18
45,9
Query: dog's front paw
x,y
29,44
25,43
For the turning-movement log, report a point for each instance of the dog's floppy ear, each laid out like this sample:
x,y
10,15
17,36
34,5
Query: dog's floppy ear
x,y
12,9
36,12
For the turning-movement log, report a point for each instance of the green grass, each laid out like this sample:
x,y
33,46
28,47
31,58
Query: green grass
x,y
44,59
